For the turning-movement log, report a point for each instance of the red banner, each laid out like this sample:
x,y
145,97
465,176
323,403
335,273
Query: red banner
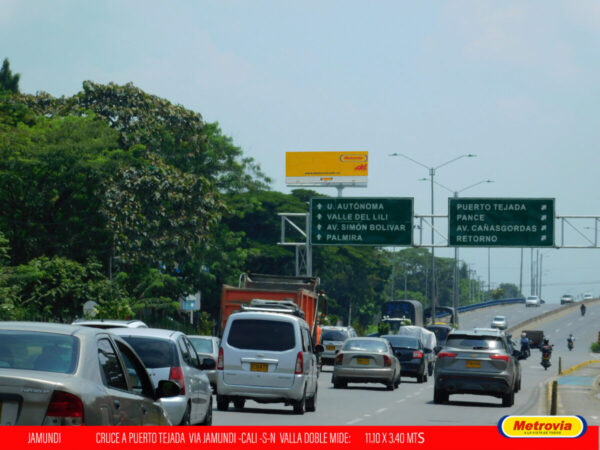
x,y
272,437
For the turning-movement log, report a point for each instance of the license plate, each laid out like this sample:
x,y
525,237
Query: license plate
x,y
363,361
330,347
473,364
259,367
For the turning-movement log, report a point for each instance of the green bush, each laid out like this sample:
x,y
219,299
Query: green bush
x,y
595,347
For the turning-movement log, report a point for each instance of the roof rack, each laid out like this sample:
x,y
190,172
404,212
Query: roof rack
x,y
278,306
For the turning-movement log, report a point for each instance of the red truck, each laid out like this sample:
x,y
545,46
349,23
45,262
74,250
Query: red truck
x,y
301,290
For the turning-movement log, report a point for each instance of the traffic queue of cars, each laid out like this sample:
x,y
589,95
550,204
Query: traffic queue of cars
x,y
129,374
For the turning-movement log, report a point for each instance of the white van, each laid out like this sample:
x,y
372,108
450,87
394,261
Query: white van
x,y
268,357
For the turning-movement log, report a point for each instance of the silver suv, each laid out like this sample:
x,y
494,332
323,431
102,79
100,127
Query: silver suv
x,y
268,357
478,362
332,339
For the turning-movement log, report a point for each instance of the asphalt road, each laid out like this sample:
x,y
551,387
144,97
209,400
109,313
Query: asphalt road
x,y
412,403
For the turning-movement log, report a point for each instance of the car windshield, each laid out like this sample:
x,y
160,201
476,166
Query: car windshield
x,y
154,352
474,342
365,345
334,335
202,345
402,341
41,351
256,334
532,298
499,319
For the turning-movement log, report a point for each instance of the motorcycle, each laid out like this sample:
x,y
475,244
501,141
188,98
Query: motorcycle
x,y
570,344
546,361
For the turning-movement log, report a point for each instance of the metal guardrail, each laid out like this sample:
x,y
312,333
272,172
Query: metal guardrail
x,y
504,301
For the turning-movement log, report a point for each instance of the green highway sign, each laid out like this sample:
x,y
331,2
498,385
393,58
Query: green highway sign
x,y
361,221
501,222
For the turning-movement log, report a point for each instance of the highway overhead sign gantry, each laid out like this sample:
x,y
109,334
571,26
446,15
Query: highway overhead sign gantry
x,y
361,221
501,222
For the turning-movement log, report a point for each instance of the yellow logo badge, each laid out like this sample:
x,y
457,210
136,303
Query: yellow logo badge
x,y
542,426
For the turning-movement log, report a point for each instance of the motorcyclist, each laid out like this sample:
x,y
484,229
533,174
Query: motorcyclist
x,y
570,341
582,308
525,342
546,348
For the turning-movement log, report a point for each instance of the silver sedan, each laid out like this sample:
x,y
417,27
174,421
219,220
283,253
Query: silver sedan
x,y
55,374
366,360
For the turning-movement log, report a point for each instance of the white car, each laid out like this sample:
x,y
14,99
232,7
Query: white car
x,y
499,322
169,355
567,298
588,296
268,357
533,300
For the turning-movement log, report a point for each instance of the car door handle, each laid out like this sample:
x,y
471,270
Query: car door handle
x,y
117,404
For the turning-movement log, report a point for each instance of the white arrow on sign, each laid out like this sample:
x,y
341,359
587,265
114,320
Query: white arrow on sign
x,y
319,206
544,227
319,236
544,207
318,226
319,216
544,217
544,238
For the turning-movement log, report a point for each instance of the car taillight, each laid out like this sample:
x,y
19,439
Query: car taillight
x,y
417,354
64,409
176,374
505,358
339,359
299,364
220,359
447,355
387,362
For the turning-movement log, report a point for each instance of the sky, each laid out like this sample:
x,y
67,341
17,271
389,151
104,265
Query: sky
x,y
516,83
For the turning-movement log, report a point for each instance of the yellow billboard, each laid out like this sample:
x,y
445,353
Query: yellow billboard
x,y
349,168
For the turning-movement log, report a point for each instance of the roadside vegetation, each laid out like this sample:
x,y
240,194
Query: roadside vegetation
x,y
120,197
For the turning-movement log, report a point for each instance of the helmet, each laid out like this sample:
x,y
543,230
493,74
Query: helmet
x,y
546,341
523,334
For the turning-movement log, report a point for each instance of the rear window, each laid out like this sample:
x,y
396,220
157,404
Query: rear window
x,y
365,346
256,334
334,335
41,351
155,353
402,341
475,342
202,345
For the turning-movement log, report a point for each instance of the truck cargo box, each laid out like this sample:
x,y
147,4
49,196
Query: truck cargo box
x,y
301,290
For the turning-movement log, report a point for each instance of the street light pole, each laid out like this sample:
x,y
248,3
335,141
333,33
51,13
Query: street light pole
x,y
432,171
455,284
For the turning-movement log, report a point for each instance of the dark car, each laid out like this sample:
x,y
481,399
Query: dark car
x,y
411,354
478,362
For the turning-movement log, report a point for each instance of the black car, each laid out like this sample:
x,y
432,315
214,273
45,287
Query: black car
x,y
411,354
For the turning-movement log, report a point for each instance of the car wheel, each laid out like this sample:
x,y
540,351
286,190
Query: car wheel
x,y
222,403
311,403
429,370
338,384
300,404
420,377
397,382
439,396
185,420
239,403
208,417
508,399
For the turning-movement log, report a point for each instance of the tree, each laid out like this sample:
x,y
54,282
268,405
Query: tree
x,y
8,81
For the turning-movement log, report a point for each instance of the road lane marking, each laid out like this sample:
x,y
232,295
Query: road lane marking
x,y
380,410
352,422
401,400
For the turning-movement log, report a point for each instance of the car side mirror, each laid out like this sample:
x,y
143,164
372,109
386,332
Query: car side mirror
x,y
167,388
437,349
319,348
337,351
208,364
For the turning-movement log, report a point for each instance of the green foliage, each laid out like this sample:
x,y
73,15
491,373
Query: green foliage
x,y
158,214
595,347
205,324
50,178
8,81
53,289
383,328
